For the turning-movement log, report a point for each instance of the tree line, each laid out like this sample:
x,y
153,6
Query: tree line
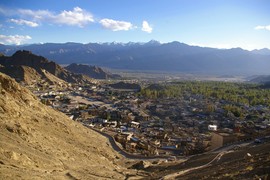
x,y
236,93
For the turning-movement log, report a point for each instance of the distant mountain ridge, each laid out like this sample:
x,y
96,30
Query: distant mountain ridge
x,y
153,55
91,71
263,51
265,79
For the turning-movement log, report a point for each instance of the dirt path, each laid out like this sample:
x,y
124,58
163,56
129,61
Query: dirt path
x,y
216,158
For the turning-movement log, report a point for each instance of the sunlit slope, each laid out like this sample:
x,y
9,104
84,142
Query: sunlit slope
x,y
39,142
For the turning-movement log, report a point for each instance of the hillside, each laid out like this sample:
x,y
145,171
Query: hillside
x,y
170,57
26,66
22,73
250,162
127,86
261,79
37,142
91,71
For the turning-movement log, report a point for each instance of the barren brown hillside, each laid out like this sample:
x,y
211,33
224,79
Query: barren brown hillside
x,y
37,142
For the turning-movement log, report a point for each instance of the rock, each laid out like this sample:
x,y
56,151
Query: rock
x,y
142,165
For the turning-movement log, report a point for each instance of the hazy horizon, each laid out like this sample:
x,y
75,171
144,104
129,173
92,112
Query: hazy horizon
x,y
125,43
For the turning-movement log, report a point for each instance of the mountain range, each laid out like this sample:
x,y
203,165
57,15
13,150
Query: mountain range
x,y
154,56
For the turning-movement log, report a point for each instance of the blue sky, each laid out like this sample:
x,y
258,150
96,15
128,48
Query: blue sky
x,y
211,23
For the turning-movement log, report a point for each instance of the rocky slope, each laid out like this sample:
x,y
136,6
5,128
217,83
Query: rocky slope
x,y
22,73
245,163
37,142
91,71
15,66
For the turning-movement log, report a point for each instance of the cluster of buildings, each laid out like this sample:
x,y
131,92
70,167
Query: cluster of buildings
x,y
156,127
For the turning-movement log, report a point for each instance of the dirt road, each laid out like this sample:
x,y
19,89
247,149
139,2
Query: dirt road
x,y
216,158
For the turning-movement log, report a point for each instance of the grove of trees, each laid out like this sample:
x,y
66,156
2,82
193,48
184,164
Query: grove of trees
x,y
236,93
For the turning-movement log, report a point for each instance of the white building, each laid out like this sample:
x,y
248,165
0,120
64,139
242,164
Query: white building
x,y
212,127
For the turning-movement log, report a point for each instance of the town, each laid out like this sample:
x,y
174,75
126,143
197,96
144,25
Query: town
x,y
172,126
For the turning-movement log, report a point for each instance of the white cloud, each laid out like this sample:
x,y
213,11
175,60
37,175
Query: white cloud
x,y
146,27
75,17
13,39
24,22
116,25
263,28
37,15
259,27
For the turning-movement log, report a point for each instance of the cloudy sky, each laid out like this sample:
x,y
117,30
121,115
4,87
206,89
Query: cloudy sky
x,y
211,23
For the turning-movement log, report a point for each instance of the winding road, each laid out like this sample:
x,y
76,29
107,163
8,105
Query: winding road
x,y
221,151
116,147
216,158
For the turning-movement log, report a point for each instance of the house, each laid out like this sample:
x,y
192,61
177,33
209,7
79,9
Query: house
x,y
113,124
212,127
127,135
84,114
134,124
144,116
220,139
